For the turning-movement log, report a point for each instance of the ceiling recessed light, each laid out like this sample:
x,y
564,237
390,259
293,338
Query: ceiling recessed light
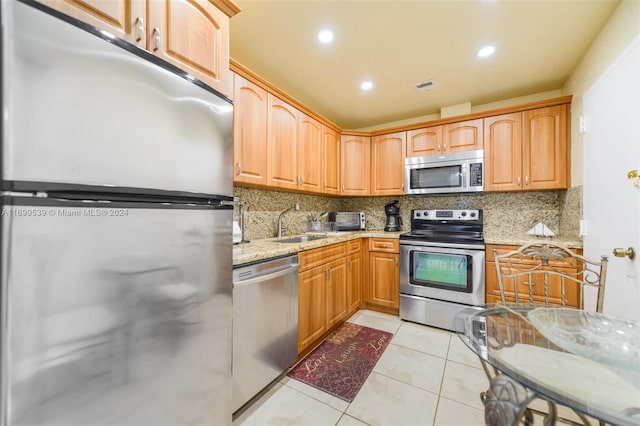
x,y
366,85
486,51
325,36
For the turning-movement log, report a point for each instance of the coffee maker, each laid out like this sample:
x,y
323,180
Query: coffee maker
x,y
393,217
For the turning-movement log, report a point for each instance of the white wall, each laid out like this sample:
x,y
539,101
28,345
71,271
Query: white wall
x,y
621,29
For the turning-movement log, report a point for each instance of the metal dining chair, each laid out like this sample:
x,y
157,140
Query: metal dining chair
x,y
538,274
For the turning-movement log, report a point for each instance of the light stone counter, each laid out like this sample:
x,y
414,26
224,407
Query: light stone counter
x,y
520,239
270,247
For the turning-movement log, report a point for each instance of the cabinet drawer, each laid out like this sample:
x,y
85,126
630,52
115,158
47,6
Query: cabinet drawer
x,y
311,258
503,249
384,244
354,246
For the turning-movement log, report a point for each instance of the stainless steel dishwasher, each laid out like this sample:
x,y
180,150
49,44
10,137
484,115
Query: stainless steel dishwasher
x,y
265,324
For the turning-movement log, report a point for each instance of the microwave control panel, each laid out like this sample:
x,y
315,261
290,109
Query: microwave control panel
x,y
475,174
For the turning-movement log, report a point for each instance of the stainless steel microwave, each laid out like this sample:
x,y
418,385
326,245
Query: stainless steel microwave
x,y
444,174
348,221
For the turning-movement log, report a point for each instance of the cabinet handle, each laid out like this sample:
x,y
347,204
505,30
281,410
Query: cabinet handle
x,y
157,38
444,147
140,25
403,187
397,262
238,169
342,188
518,180
438,147
350,264
526,180
301,181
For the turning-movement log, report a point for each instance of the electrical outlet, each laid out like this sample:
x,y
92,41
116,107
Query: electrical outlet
x,y
583,126
583,228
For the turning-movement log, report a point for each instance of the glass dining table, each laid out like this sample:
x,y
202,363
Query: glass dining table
x,y
587,361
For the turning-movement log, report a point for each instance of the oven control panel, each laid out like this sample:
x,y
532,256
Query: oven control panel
x,y
457,215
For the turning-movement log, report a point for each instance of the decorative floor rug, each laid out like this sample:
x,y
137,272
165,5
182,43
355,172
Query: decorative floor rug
x,y
341,364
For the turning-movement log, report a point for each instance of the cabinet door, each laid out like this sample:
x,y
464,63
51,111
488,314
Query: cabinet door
x,y
503,152
426,141
462,136
312,308
492,288
384,277
545,148
124,19
250,132
355,165
194,36
282,144
387,164
330,161
336,292
354,282
309,154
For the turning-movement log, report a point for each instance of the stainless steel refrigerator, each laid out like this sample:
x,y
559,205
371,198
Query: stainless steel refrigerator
x,y
115,232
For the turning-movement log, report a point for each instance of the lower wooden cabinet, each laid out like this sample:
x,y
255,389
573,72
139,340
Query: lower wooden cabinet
x,y
322,292
312,306
492,287
329,289
384,275
354,275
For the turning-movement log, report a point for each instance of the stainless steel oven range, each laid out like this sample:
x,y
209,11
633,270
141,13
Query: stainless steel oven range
x,y
441,266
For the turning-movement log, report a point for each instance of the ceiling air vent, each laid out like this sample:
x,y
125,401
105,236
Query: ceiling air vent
x,y
426,85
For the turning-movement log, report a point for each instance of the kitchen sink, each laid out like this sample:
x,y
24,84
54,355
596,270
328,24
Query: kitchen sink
x,y
301,239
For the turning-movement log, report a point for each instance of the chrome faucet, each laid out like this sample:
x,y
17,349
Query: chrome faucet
x,y
295,207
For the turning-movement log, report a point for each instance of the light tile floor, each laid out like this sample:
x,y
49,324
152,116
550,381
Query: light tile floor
x,y
426,376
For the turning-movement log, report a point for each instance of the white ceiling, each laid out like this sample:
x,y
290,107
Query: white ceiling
x,y
399,43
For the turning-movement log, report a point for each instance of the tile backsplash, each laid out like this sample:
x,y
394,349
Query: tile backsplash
x,y
505,213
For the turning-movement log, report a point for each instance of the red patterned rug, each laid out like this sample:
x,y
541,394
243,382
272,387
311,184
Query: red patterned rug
x,y
342,363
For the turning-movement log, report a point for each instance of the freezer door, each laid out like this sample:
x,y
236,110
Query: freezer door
x,y
79,109
116,316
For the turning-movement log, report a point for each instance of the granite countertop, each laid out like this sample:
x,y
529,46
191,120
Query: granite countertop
x,y
269,248
520,239
265,249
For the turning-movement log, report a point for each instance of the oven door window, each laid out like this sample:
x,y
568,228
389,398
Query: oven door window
x,y
438,270
436,177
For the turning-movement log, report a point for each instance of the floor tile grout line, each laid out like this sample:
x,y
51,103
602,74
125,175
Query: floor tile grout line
x,y
316,399
408,384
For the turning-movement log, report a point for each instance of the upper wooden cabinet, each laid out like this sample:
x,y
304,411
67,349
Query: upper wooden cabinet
x,y
355,165
462,136
387,164
124,19
330,161
249,132
309,154
527,150
282,144
191,34
194,36
544,135
503,152
427,141
445,139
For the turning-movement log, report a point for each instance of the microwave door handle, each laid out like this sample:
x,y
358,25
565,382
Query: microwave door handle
x,y
465,176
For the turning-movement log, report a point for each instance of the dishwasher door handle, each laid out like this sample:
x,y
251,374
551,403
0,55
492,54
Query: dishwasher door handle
x,y
266,277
